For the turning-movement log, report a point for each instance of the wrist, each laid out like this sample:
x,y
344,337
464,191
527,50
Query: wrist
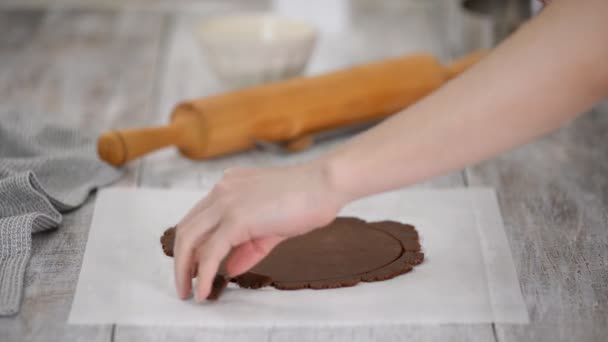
x,y
336,179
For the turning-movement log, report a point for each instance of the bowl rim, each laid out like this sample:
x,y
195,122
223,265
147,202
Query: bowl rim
x,y
305,30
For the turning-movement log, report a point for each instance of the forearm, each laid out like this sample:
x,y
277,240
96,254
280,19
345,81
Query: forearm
x,y
541,77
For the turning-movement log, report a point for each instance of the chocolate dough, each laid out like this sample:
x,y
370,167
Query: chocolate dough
x,y
167,240
343,253
219,284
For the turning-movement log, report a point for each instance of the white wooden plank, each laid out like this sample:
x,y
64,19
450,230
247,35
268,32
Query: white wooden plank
x,y
155,5
553,198
554,195
91,70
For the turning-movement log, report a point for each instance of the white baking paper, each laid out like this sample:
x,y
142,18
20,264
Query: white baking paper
x,y
468,275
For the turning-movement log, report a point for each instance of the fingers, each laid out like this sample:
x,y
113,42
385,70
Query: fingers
x,y
200,206
212,195
212,251
189,236
248,254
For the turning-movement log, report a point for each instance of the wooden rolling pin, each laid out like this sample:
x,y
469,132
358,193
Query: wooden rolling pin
x,y
288,112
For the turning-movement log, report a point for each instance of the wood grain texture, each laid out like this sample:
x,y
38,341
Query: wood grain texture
x,y
457,333
554,194
186,76
389,30
156,5
109,69
282,112
50,282
89,70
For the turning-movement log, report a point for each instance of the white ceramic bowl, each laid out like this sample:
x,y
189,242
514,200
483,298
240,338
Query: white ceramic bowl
x,y
250,49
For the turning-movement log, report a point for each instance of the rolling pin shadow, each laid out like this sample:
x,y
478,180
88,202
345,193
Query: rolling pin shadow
x,y
289,112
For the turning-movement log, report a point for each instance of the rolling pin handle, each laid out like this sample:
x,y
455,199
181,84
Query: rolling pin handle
x,y
463,63
112,149
119,147
299,144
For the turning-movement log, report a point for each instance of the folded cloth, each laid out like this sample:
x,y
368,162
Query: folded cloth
x,y
44,170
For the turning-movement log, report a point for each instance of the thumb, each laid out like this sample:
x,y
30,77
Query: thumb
x,y
248,254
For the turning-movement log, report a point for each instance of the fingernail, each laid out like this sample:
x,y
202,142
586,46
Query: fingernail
x,y
195,291
197,294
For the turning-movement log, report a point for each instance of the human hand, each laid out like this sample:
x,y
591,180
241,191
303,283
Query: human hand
x,y
249,212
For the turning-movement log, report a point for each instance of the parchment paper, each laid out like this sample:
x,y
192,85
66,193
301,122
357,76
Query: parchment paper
x,y
468,275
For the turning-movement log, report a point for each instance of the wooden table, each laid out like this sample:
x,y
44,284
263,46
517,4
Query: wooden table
x,y
117,67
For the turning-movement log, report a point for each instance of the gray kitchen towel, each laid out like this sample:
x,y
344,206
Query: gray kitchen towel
x,y
45,169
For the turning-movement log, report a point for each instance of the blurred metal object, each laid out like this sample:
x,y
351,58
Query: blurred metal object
x,y
485,23
506,15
